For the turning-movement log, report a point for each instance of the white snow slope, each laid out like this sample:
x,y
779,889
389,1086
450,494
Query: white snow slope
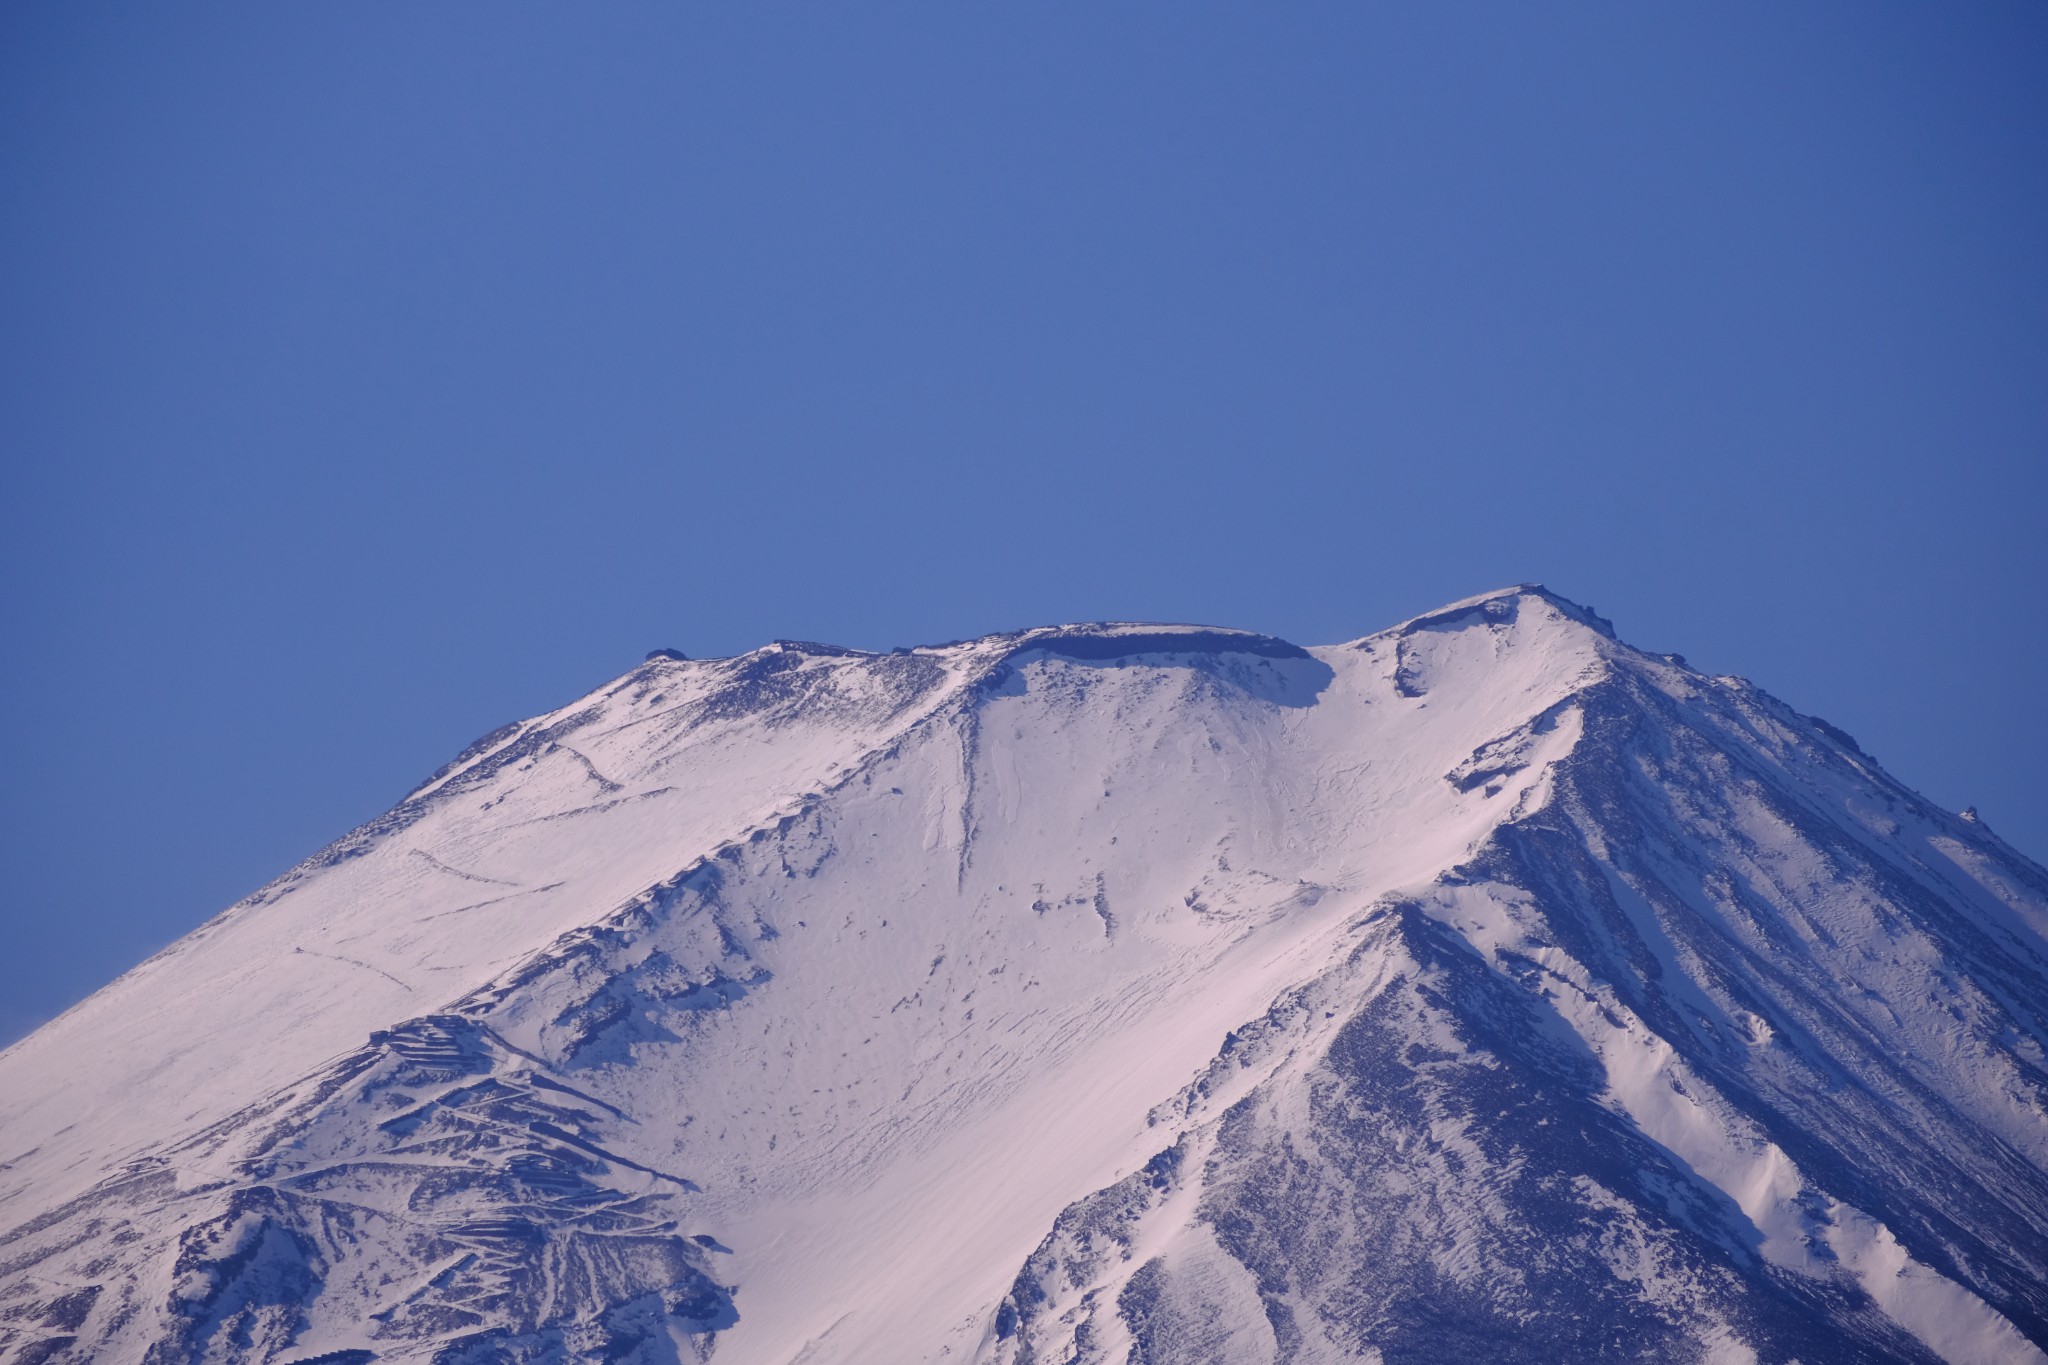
x,y
1484,987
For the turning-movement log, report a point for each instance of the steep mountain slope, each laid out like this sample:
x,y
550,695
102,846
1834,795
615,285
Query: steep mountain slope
x,y
1103,993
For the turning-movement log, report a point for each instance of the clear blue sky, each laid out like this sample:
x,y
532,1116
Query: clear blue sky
x,y
377,373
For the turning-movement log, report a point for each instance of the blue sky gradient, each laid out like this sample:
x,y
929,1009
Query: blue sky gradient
x,y
376,374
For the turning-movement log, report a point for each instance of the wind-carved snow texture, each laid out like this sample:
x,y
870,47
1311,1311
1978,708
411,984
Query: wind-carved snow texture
x,y
438,1149
1131,994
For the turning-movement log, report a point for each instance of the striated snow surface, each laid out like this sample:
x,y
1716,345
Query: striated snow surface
x,y
1481,989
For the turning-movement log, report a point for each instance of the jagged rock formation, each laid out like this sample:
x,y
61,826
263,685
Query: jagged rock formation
x,y
1484,987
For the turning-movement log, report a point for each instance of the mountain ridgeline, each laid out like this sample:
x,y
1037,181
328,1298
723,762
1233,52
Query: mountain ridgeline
x,y
1483,988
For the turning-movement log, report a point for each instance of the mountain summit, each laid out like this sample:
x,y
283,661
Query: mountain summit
x,y
1157,995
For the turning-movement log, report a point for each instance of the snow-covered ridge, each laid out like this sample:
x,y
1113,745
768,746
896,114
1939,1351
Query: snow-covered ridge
x,y
1094,992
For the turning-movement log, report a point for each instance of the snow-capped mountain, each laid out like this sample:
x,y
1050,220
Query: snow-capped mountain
x,y
1483,988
